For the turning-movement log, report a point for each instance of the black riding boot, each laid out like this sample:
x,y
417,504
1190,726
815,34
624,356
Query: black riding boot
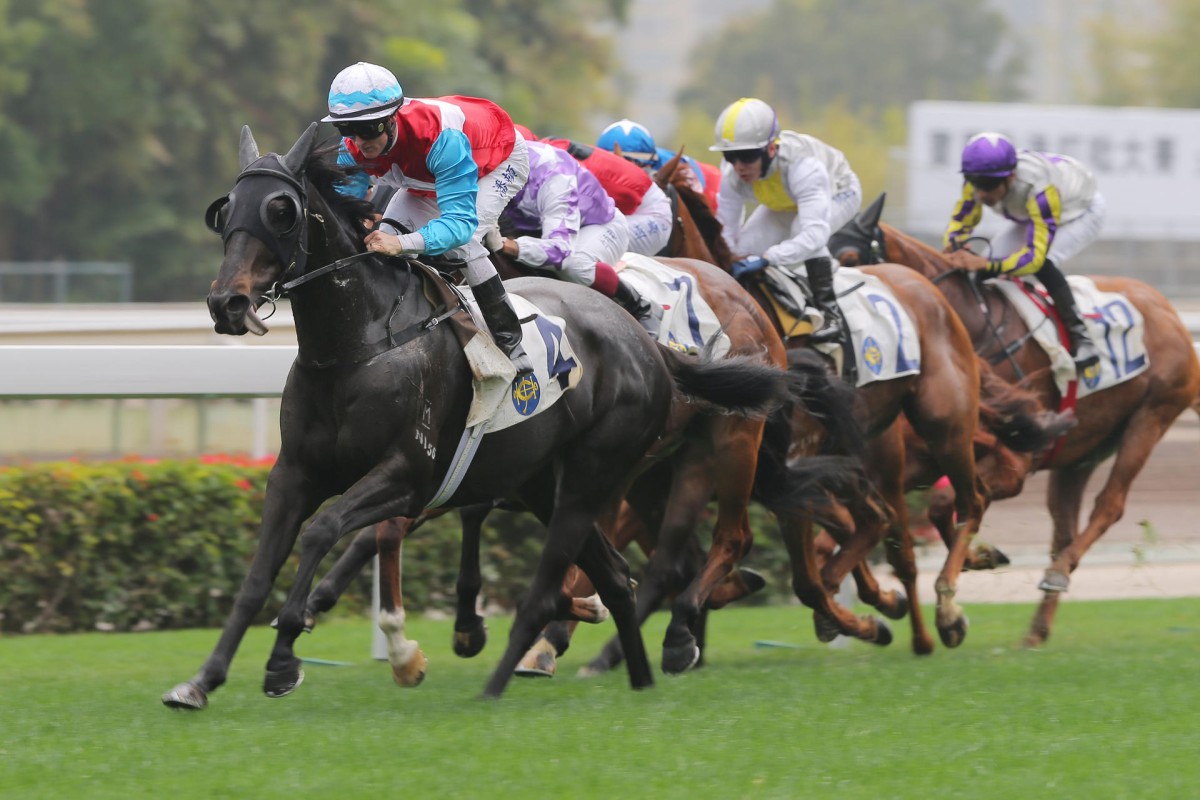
x,y
648,314
1083,350
503,322
820,280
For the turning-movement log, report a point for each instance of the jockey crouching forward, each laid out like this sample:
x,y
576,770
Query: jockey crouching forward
x,y
457,161
1055,211
572,227
637,146
805,190
646,207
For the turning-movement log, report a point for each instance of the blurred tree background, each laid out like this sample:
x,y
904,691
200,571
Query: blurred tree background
x,y
119,120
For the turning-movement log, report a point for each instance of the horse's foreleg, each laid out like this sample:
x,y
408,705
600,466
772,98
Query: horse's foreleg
x,y
405,656
326,593
1064,498
371,499
290,500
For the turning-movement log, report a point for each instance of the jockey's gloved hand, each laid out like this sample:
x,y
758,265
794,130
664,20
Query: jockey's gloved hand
x,y
492,240
748,266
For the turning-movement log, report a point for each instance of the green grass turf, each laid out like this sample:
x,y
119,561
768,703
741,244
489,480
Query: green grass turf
x,y
1108,709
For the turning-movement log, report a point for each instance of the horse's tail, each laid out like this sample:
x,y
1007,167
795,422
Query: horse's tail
x,y
735,384
1015,416
828,398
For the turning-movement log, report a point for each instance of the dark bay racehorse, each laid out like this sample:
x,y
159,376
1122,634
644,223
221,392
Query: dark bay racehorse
x,y
1126,420
378,396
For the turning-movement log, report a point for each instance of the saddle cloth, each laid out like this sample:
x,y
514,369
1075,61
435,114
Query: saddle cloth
x,y
1115,325
502,401
881,331
688,322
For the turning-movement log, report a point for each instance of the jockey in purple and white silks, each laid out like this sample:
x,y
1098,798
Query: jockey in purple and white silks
x,y
457,161
805,190
567,223
1055,212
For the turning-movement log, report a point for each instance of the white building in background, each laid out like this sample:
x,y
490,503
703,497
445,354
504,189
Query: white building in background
x,y
1146,161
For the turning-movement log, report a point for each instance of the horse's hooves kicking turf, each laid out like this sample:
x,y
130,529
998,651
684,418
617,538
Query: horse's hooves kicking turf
x,y
186,696
282,682
1054,581
470,643
953,634
680,659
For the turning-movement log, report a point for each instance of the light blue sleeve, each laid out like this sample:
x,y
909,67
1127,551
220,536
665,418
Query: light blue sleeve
x,y
457,179
358,184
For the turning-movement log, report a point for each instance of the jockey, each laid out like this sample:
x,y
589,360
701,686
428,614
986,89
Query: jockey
x,y
1055,211
637,145
571,226
805,190
457,161
646,207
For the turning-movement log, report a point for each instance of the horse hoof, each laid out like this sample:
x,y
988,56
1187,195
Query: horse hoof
x,y
953,634
590,610
753,580
883,633
412,673
922,645
282,682
826,629
677,660
540,662
187,696
1054,581
470,643
310,622
900,610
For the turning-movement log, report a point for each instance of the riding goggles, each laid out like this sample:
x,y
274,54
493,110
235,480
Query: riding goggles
x,y
743,156
362,128
985,183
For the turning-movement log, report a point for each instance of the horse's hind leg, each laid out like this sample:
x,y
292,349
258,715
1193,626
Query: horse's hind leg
x,y
470,631
1064,498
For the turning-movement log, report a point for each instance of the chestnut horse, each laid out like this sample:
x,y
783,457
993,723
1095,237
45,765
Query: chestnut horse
x,y
1127,419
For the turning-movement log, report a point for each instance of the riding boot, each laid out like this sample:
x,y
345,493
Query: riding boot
x,y
503,322
1083,350
648,314
820,281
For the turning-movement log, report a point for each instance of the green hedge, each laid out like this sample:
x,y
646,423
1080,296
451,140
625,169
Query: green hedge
x,y
142,545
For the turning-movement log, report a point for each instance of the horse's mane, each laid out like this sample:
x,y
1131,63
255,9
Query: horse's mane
x,y
707,223
326,176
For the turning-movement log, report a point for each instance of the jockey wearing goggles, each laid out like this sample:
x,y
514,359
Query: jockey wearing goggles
x,y
457,162
1054,212
568,224
805,191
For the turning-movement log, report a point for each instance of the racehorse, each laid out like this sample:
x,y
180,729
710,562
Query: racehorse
x,y
1126,420
379,394
941,403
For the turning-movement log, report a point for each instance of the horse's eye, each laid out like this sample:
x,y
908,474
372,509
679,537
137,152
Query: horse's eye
x,y
281,215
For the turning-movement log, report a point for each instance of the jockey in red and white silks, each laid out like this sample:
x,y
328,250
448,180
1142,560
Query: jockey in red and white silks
x,y
1054,208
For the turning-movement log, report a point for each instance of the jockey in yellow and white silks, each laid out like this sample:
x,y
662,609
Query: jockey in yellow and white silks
x,y
804,188
1054,209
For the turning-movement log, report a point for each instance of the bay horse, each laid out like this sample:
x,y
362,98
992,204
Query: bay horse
x,y
378,397
1126,420
941,404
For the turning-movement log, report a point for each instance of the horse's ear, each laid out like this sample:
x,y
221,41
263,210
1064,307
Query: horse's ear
x,y
869,216
666,173
616,149
294,160
248,148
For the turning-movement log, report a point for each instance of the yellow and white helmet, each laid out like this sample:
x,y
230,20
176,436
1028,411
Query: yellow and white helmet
x,y
748,124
